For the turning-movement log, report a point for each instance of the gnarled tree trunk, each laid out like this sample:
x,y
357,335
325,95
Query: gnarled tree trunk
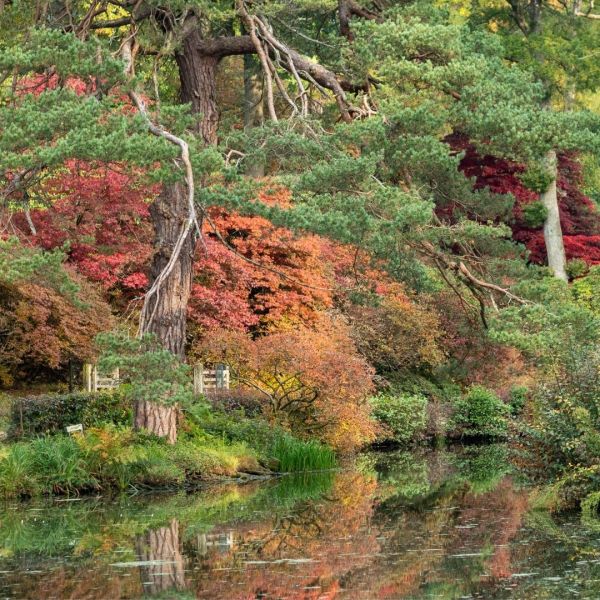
x,y
167,310
198,76
553,237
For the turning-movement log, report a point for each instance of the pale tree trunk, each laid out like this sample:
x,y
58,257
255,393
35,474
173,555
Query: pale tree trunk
x,y
553,237
254,115
162,548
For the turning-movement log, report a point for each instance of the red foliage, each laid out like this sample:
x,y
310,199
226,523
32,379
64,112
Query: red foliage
x,y
102,214
579,217
291,283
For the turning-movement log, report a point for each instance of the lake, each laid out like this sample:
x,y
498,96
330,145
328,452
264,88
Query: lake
x,y
423,524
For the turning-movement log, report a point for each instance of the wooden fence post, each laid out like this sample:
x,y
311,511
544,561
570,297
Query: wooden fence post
x,y
87,377
198,379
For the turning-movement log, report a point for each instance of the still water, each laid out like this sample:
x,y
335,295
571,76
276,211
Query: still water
x,y
430,524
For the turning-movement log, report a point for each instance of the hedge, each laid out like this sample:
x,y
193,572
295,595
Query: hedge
x,y
51,413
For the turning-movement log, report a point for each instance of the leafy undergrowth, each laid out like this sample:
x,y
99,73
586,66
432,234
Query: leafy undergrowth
x,y
282,451
111,458
118,458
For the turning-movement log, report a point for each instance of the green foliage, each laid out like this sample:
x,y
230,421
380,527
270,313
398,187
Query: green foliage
x,y
117,458
534,214
517,398
45,413
46,466
480,413
590,507
537,178
484,467
151,372
586,290
20,263
577,267
404,416
281,450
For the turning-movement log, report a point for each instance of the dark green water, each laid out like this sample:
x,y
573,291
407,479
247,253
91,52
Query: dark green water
x,y
437,524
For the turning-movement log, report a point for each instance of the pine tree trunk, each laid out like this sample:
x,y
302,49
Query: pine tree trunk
x,y
169,307
161,549
553,237
198,75
159,419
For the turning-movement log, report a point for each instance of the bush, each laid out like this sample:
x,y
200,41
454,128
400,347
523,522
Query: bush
x,y
282,450
46,465
46,413
480,413
238,398
517,399
108,458
404,416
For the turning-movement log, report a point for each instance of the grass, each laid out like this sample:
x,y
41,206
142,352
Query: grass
x,y
284,452
294,455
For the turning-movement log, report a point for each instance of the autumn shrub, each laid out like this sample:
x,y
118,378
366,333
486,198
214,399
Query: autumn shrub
x,y
396,334
314,382
51,413
404,416
480,414
48,313
238,398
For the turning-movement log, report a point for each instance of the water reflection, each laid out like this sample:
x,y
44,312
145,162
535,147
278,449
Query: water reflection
x,y
401,525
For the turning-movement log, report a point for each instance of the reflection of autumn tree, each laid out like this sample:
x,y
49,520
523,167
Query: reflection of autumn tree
x,y
304,554
164,567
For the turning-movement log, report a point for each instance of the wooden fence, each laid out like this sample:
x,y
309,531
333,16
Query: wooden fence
x,y
205,379
92,382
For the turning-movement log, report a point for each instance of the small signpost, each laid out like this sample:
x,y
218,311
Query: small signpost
x,y
71,429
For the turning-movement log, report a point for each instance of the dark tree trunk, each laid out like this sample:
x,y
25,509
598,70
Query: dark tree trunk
x,y
169,307
198,75
165,568
167,310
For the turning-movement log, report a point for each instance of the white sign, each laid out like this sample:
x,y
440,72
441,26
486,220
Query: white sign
x,y
74,428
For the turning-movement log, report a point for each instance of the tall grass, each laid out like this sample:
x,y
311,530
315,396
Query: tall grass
x,y
294,455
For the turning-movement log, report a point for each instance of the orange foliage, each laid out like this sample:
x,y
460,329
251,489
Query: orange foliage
x,y
312,381
397,334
